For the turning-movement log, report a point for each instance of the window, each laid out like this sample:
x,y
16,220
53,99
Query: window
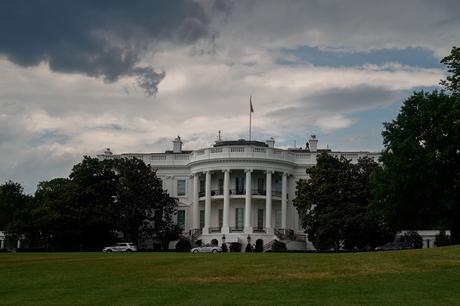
x,y
181,218
180,188
260,218
201,218
261,186
221,186
239,184
277,218
239,218
202,188
221,217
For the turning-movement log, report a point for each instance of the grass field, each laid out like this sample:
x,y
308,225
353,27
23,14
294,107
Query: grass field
x,y
419,277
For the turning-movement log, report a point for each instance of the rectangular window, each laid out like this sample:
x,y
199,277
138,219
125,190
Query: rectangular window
x,y
261,186
239,184
221,217
239,218
181,218
221,186
277,218
260,218
201,218
180,188
202,188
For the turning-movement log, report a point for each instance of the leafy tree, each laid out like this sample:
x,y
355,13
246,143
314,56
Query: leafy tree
x,y
419,186
142,207
12,199
92,208
13,207
334,205
452,63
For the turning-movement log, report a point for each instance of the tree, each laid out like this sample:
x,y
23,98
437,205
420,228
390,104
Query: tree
x,y
92,207
419,186
13,207
141,205
12,199
452,62
334,205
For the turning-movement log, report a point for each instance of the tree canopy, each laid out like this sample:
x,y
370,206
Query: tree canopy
x,y
334,204
100,200
419,187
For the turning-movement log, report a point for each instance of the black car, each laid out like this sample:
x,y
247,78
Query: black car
x,y
395,246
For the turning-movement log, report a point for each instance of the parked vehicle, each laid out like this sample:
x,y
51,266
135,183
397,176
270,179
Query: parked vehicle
x,y
121,247
395,246
206,249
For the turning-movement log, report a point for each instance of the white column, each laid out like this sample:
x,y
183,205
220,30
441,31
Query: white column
x,y
19,244
226,212
247,205
207,204
284,200
2,244
196,201
268,205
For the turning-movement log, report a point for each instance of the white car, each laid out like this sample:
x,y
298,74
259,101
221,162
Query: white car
x,y
206,249
121,247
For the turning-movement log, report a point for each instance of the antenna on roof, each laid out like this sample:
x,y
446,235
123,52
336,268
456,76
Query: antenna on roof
x,y
219,137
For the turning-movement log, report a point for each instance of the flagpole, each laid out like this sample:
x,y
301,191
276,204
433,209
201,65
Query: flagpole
x,y
250,117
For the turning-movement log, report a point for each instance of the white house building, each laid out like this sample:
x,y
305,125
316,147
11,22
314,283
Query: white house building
x,y
237,191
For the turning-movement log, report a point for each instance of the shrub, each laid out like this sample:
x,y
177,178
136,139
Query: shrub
x,y
183,245
235,247
259,246
224,248
279,246
249,248
413,238
442,239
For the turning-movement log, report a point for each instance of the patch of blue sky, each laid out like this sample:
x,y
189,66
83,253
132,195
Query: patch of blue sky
x,y
48,136
415,57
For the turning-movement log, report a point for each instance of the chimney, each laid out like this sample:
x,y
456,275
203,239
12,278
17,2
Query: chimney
x,y
177,145
313,143
271,142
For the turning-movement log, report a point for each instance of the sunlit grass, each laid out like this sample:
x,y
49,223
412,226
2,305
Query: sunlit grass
x,y
422,277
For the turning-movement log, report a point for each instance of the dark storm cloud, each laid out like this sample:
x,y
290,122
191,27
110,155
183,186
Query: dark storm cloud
x,y
98,38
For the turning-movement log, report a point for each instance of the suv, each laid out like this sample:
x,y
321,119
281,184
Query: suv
x,y
121,247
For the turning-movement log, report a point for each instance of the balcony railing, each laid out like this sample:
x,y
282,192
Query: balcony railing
x,y
214,229
184,159
219,192
258,229
236,229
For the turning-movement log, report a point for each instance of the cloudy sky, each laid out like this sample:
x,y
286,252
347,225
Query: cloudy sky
x,y
79,76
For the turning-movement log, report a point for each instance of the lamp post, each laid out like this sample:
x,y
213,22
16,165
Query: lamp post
x,y
249,246
224,246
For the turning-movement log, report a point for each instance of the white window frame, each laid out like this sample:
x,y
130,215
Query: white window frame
x,y
185,187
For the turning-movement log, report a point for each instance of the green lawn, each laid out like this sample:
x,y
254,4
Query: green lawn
x,y
421,277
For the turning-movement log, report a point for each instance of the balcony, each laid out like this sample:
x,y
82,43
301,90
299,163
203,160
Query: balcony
x,y
238,191
236,229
